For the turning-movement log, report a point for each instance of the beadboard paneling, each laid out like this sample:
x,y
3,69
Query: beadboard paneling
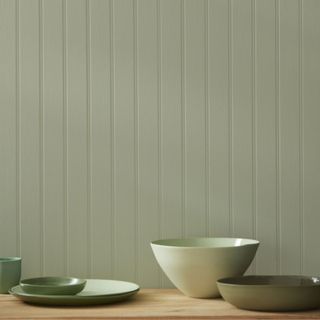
x,y
130,120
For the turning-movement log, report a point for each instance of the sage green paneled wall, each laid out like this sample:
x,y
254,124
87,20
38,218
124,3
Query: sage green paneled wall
x,y
130,120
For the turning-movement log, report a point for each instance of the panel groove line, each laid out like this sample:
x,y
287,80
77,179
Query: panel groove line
x,y
301,138
112,137
89,136
41,142
183,118
18,130
65,135
207,116
160,146
136,138
230,115
277,136
254,125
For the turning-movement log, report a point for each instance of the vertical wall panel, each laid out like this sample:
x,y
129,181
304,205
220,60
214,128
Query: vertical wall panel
x,y
218,87
242,189
53,138
31,216
101,209
125,148
171,117
311,132
266,221
77,137
289,136
8,156
171,121
195,181
148,112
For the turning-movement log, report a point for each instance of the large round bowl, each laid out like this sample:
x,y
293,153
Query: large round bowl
x,y
194,265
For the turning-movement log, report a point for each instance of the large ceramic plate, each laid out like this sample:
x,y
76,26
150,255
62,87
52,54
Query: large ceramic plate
x,y
95,292
271,293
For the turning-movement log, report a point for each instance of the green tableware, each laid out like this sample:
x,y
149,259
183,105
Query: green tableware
x,y
10,271
194,265
271,293
95,292
52,285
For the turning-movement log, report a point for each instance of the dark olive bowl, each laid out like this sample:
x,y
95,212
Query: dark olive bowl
x,y
271,293
53,285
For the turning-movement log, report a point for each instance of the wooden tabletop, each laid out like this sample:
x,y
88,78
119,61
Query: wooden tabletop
x,y
147,304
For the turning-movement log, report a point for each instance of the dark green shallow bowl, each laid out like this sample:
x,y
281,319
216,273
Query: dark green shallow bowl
x,y
53,285
271,293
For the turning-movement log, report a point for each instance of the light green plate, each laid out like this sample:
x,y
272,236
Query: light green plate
x,y
272,293
95,292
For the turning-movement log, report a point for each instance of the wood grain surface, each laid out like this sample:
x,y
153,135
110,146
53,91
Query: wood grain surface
x,y
147,304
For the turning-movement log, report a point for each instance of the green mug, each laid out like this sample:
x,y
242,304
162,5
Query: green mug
x,y
10,273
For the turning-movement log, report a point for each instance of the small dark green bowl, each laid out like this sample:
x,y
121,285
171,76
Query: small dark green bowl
x,y
53,285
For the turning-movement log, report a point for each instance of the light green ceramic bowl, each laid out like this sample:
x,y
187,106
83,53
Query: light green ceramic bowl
x,y
272,293
53,285
194,265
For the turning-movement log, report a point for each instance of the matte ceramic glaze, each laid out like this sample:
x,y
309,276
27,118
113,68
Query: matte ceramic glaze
x,y
52,285
95,292
10,272
194,265
271,293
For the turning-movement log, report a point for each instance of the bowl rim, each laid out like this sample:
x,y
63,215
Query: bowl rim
x,y
9,259
159,244
24,283
224,282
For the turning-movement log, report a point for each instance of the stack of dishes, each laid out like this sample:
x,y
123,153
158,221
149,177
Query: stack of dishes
x,y
73,291
210,267
200,268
